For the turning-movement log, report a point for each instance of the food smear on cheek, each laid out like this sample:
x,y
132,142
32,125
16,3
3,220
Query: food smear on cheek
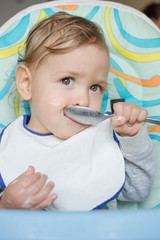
x,y
56,104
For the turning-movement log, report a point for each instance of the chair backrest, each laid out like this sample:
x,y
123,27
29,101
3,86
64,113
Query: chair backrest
x,y
134,45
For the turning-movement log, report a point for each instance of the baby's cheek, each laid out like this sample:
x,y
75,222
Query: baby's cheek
x,y
96,101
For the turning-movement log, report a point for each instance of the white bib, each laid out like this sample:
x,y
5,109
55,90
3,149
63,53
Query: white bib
x,y
87,169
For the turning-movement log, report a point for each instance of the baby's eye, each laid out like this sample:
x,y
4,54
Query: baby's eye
x,y
95,88
67,81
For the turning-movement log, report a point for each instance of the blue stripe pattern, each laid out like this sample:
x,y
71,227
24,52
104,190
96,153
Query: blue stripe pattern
x,y
13,36
139,42
104,102
1,125
115,65
124,94
49,11
92,12
154,137
8,85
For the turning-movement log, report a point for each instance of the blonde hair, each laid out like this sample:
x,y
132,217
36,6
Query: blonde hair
x,y
61,33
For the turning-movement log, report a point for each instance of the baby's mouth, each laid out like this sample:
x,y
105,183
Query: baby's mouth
x,y
70,119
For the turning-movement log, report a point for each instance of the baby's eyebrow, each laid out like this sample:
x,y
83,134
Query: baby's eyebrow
x,y
72,73
102,83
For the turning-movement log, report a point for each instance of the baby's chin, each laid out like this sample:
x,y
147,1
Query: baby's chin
x,y
73,132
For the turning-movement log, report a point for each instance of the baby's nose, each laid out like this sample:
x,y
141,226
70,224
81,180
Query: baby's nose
x,y
81,99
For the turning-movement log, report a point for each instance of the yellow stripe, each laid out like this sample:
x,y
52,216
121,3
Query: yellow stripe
x,y
123,81
16,104
20,46
12,50
42,15
130,55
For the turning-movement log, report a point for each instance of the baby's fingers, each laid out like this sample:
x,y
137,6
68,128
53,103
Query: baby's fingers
x,y
117,121
48,201
21,179
27,178
142,116
37,185
42,195
29,171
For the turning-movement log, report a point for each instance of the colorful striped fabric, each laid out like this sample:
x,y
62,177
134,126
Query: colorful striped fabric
x,y
134,45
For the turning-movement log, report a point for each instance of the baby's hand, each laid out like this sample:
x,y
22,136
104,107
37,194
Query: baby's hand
x,y
128,119
28,191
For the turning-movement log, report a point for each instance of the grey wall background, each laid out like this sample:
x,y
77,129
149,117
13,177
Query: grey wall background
x,y
9,8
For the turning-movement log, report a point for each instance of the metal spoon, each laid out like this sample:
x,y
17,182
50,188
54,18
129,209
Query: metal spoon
x,y
89,116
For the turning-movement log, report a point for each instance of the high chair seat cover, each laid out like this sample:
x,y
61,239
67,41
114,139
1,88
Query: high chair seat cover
x,y
88,168
134,45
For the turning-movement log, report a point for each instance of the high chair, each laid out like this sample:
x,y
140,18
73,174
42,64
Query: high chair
x,y
134,76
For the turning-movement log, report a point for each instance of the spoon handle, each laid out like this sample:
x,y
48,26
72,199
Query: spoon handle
x,y
149,120
154,121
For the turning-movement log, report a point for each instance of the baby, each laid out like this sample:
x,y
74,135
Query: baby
x,y
66,63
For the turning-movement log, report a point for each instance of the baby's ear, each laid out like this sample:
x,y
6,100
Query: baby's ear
x,y
23,80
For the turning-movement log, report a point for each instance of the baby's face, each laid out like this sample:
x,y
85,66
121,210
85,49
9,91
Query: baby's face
x,y
77,78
